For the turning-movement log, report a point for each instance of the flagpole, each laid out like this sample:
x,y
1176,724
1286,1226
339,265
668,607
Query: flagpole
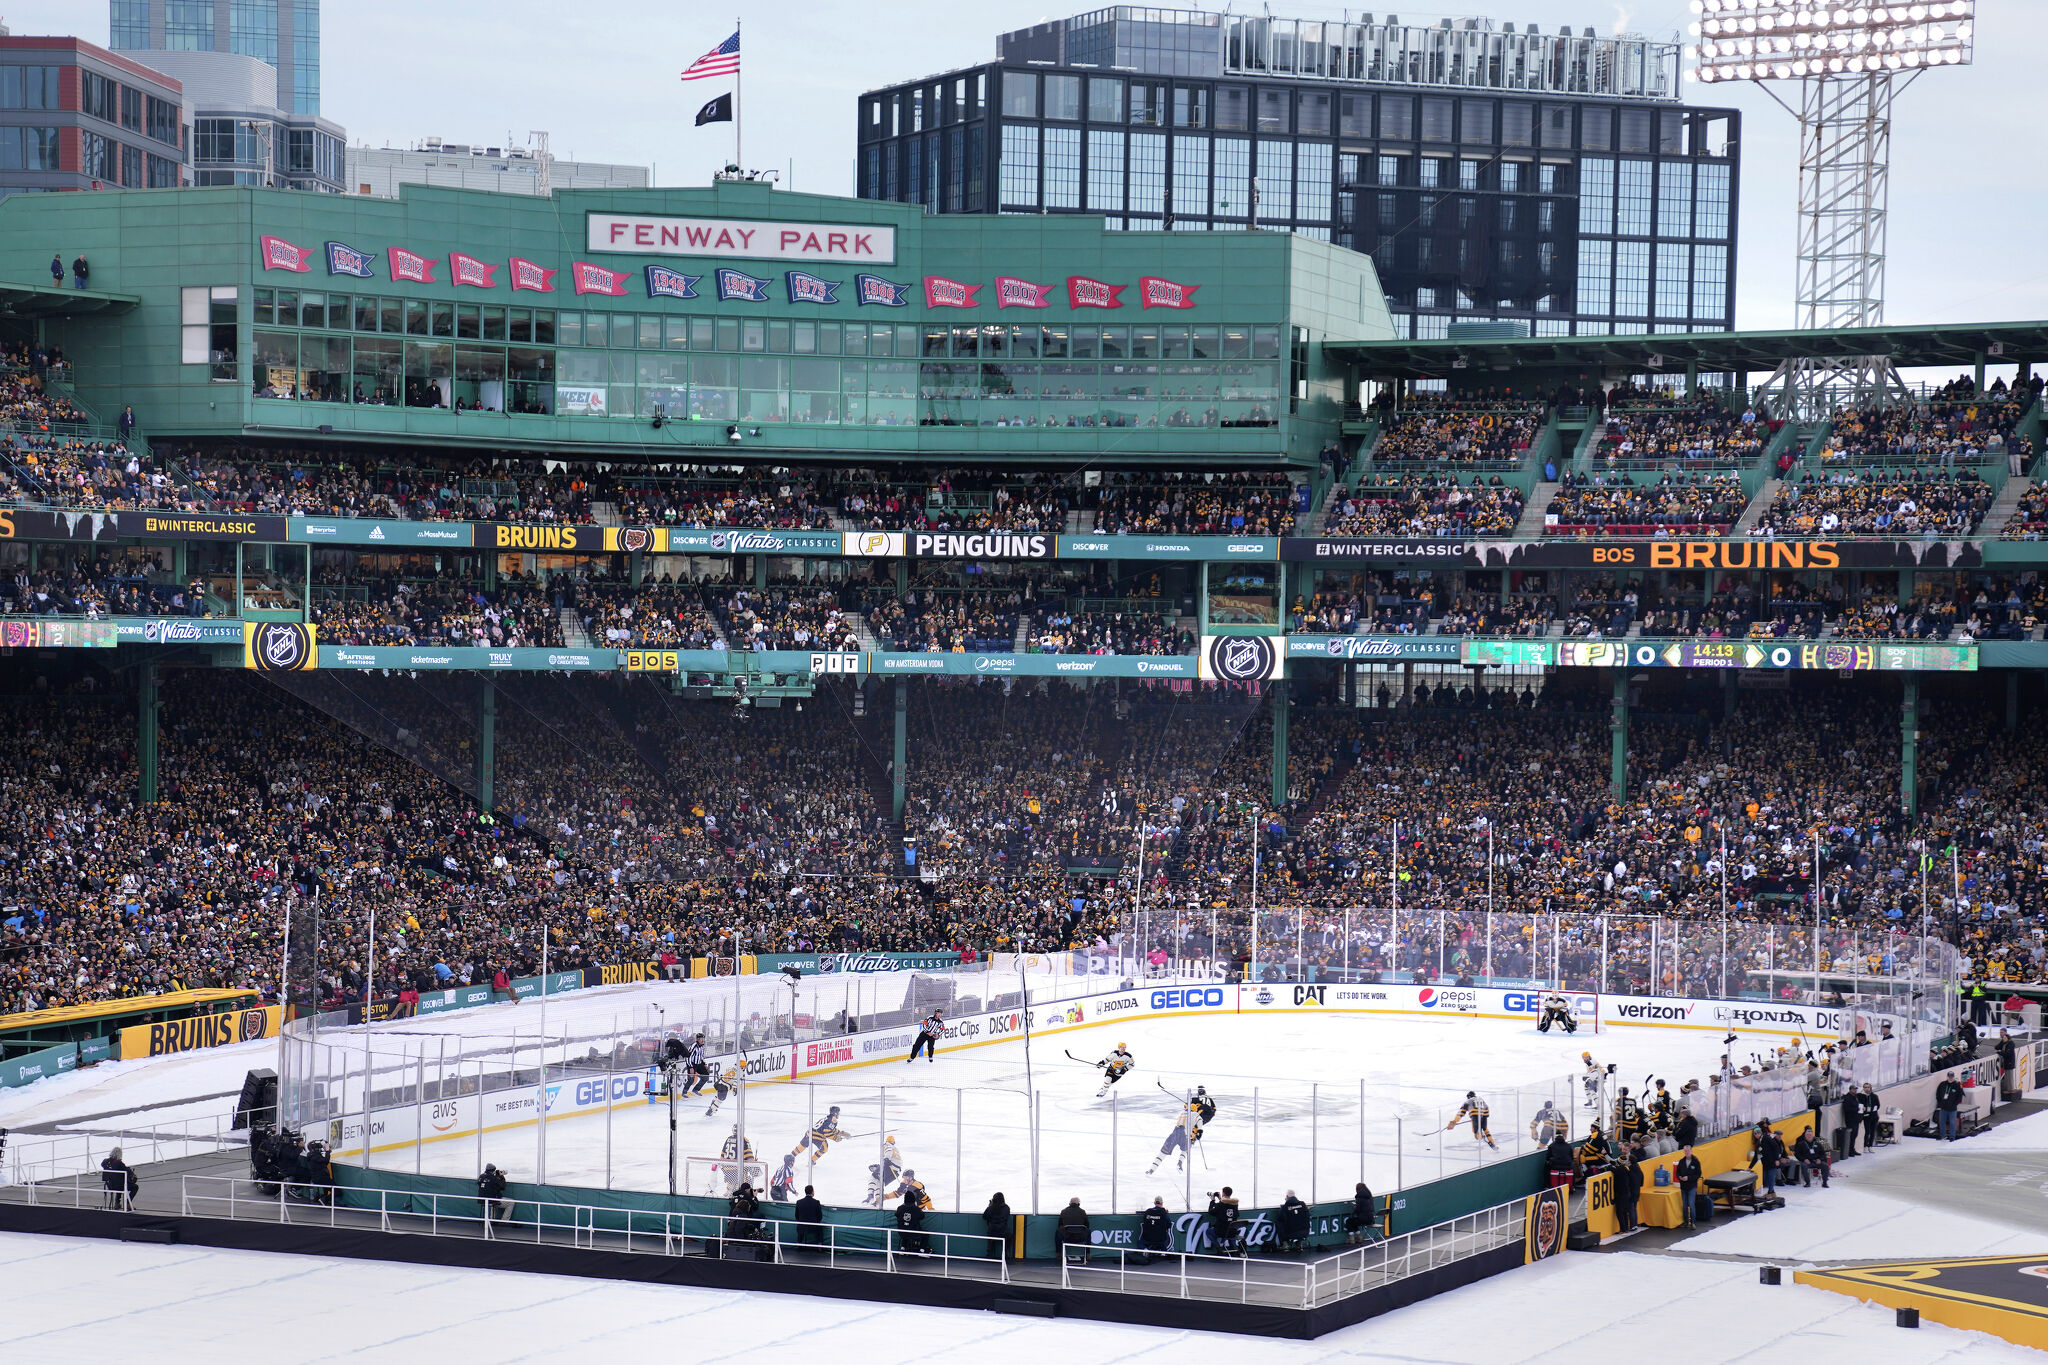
x,y
738,110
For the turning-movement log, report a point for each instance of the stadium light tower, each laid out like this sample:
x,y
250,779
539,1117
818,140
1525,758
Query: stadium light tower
x,y
1848,60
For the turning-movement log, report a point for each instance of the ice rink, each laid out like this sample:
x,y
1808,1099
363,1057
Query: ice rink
x,y
1307,1102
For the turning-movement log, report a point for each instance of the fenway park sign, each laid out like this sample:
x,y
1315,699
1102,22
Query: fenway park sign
x,y
757,239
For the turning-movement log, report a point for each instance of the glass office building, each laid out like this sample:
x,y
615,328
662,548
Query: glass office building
x,y
1551,180
284,33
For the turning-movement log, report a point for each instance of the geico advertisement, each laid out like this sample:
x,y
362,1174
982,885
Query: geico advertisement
x,y
187,1035
440,1120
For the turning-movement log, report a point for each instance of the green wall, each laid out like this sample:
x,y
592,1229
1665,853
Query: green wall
x,y
152,243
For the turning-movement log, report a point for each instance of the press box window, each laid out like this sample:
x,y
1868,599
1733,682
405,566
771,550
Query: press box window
x,y
207,329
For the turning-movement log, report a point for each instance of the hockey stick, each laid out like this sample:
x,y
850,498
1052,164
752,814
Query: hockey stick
x,y
1082,1060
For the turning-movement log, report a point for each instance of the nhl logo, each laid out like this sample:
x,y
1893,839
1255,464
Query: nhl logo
x,y
280,647
1241,658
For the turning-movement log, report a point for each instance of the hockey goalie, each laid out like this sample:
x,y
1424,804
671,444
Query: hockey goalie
x,y
1556,1011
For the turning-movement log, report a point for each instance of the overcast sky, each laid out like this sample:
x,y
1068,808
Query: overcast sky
x,y
1967,198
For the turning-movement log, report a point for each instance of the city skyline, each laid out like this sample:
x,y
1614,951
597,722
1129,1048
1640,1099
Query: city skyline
x,y
805,67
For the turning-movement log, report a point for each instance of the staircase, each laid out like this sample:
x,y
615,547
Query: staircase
x,y
2002,509
1758,505
1022,633
605,513
574,636
1582,458
1529,526
868,642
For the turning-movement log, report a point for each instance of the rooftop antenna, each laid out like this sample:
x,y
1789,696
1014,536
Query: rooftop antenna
x,y
540,140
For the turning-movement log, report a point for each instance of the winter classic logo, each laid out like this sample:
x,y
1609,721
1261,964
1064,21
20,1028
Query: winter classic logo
x,y
1463,1001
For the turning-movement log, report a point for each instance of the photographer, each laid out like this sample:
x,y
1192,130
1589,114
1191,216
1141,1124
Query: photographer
x,y
1361,1224
1291,1225
1223,1224
491,1187
318,1175
119,1179
1073,1231
743,1220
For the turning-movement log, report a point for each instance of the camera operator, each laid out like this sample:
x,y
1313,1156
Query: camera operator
x,y
491,1186
743,1220
317,1176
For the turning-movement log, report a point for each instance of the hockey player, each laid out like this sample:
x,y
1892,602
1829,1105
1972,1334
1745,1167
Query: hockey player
x,y
1475,1109
928,1034
1549,1122
728,1081
1663,1110
911,1188
782,1185
1113,1068
883,1174
823,1134
1556,1011
1187,1131
734,1156
1590,1079
1629,1123
1205,1108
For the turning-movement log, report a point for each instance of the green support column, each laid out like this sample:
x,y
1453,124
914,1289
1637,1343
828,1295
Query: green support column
x,y
636,567
1618,775
902,577
239,548
2012,700
1280,709
1909,747
761,571
145,735
902,746
486,745
490,571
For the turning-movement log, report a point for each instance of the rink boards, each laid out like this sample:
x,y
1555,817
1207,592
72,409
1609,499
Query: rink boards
x,y
579,1094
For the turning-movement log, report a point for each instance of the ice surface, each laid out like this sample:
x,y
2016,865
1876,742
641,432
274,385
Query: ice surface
x,y
81,1299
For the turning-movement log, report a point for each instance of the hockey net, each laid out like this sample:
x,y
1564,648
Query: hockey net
x,y
722,1176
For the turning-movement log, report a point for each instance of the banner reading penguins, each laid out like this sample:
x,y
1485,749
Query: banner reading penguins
x,y
1241,658
280,646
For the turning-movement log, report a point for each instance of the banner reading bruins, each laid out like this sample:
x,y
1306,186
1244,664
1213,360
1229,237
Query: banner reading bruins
x,y
280,646
187,1035
584,539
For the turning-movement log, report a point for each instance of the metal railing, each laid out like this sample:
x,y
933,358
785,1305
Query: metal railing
x,y
1308,1283
43,1157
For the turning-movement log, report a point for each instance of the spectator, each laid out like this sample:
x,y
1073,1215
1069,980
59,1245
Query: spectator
x,y
1871,1109
1559,1161
1812,1155
1628,1187
126,423
120,1182
995,1220
80,271
57,270
1072,1231
1290,1225
909,1216
1361,1223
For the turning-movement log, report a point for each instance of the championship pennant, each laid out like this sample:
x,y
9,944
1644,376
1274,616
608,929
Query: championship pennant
x,y
410,265
1154,292
1012,292
873,289
739,285
595,279
940,292
807,288
532,275
1083,292
467,269
663,283
343,259
278,254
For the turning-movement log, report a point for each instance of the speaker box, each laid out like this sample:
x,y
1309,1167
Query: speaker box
x,y
1582,1241
258,1100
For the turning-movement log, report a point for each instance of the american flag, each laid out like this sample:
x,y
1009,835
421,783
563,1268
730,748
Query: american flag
x,y
723,60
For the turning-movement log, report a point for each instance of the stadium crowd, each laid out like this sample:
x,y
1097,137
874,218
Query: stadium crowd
x,y
1903,502
1425,505
1602,504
